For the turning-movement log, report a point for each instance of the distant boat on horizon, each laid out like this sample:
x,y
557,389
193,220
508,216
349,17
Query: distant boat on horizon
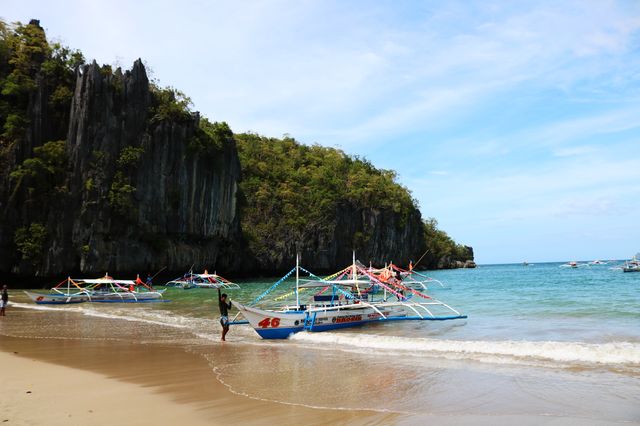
x,y
573,265
632,265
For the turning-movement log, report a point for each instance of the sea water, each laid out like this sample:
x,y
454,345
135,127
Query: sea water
x,y
539,340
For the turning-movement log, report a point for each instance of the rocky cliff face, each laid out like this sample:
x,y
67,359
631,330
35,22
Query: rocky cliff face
x,y
137,197
376,235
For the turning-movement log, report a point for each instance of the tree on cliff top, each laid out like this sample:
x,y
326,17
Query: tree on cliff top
x,y
293,191
25,55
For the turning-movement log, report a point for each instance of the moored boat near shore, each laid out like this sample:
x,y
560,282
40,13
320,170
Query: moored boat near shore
x,y
99,290
191,280
343,300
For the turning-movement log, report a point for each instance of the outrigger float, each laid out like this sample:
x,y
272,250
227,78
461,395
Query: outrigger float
x,y
100,290
190,280
345,299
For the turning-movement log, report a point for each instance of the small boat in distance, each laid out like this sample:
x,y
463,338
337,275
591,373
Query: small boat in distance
x,y
573,265
598,262
205,280
632,265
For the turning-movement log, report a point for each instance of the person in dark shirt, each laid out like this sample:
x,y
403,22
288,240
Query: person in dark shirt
x,y
224,306
400,290
4,300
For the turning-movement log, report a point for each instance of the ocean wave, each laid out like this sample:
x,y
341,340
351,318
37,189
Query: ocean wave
x,y
611,353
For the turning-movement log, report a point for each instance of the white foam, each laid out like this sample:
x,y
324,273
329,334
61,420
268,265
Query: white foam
x,y
613,353
46,308
156,318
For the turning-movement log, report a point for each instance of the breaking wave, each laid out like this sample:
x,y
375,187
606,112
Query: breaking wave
x,y
612,353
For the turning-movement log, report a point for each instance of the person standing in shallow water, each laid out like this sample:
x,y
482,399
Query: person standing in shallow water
x,y
224,313
4,300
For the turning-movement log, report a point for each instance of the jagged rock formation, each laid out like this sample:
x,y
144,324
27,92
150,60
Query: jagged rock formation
x,y
184,207
163,205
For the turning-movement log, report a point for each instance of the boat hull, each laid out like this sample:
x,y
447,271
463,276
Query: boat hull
x,y
282,324
152,296
96,297
56,299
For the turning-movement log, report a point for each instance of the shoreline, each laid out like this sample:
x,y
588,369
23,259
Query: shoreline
x,y
140,383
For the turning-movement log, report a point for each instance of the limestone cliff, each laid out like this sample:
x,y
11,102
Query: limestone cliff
x,y
137,197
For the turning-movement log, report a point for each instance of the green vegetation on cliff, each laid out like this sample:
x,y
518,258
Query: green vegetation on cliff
x,y
25,57
293,190
441,246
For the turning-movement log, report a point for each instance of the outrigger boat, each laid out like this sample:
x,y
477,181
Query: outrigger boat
x,y
206,280
344,300
66,292
102,290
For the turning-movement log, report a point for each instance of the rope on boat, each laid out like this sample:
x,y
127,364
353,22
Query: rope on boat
x,y
270,289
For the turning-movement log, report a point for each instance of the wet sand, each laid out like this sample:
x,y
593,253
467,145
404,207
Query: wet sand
x,y
76,380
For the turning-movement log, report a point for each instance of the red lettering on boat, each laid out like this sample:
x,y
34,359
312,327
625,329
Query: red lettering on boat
x,y
350,318
274,322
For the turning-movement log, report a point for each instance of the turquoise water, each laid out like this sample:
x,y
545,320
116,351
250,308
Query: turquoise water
x,y
539,302
542,302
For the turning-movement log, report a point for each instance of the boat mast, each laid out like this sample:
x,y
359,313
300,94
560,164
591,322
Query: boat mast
x,y
385,287
354,271
297,280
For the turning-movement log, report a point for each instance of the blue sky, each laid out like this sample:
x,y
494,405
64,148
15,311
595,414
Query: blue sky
x,y
515,124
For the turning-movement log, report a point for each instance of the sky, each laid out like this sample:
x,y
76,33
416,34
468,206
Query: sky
x,y
516,124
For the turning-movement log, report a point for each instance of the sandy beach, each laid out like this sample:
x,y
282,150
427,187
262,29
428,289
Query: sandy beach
x,y
108,364
37,392
77,381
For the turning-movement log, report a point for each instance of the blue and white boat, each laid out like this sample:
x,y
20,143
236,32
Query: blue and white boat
x,y
343,300
99,290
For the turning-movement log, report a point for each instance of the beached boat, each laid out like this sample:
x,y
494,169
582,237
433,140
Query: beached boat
x,y
99,290
66,292
205,280
341,300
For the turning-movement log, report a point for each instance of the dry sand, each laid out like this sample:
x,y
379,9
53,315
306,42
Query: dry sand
x,y
36,392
